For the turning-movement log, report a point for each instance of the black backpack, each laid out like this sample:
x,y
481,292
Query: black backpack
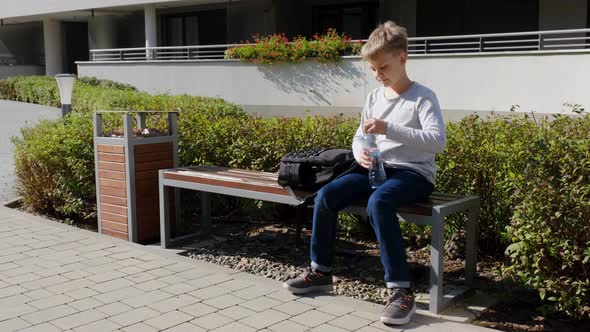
x,y
309,170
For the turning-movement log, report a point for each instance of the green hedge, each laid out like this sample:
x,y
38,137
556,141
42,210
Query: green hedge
x,y
532,175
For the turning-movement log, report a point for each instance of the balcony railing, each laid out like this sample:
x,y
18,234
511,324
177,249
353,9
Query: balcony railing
x,y
539,41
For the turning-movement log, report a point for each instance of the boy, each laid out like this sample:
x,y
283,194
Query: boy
x,y
406,119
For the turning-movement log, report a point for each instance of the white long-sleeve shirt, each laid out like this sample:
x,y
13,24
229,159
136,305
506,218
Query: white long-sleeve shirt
x,y
415,131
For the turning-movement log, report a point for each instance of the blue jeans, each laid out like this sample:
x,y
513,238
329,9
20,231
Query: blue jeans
x,y
402,187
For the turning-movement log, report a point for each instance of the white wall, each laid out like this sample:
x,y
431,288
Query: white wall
x,y
541,83
36,7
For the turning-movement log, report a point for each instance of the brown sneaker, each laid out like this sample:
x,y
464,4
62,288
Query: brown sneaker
x,y
310,281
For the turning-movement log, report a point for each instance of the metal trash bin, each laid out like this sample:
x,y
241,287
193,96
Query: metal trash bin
x,y
127,167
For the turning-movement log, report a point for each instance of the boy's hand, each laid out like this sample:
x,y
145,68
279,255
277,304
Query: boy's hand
x,y
365,159
375,126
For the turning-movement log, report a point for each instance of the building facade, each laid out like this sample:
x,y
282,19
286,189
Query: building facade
x,y
67,36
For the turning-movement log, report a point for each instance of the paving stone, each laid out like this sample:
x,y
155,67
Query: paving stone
x,y
168,320
327,328
312,318
186,327
253,292
172,279
48,314
178,289
134,316
288,326
198,309
224,301
112,285
174,303
127,262
102,277
45,327
14,299
9,266
366,315
52,272
103,325
139,327
70,286
152,265
190,274
236,284
349,322
13,324
179,267
85,304
293,308
235,326
212,321
78,319
82,293
236,312
140,277
12,290
78,274
51,301
128,270
125,254
95,254
209,292
369,329
12,311
264,319
392,328
147,298
113,309
22,278
283,296
217,278
336,310
151,285
118,294
260,304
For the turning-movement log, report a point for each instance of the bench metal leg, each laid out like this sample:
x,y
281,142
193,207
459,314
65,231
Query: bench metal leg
x,y
436,268
299,221
177,208
205,212
471,244
165,241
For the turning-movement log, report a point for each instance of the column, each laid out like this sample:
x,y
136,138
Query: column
x,y
101,32
52,36
151,32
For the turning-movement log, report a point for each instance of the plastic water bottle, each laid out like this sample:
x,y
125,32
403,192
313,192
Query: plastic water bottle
x,y
376,170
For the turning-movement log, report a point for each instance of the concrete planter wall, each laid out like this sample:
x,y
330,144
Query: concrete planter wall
x,y
540,82
127,178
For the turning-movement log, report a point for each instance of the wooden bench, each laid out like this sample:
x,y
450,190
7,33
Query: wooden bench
x,y
263,186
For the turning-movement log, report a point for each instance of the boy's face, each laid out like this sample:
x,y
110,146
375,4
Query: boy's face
x,y
388,67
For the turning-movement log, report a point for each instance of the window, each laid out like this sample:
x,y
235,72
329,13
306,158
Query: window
x,y
458,17
355,20
197,28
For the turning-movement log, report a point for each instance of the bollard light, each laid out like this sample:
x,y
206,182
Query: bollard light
x,y
65,83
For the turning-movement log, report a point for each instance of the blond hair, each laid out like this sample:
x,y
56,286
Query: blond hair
x,y
387,37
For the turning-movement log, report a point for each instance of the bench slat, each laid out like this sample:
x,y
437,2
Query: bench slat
x,y
266,182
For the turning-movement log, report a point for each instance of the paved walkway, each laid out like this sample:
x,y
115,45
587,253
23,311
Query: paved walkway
x,y
55,277
14,116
